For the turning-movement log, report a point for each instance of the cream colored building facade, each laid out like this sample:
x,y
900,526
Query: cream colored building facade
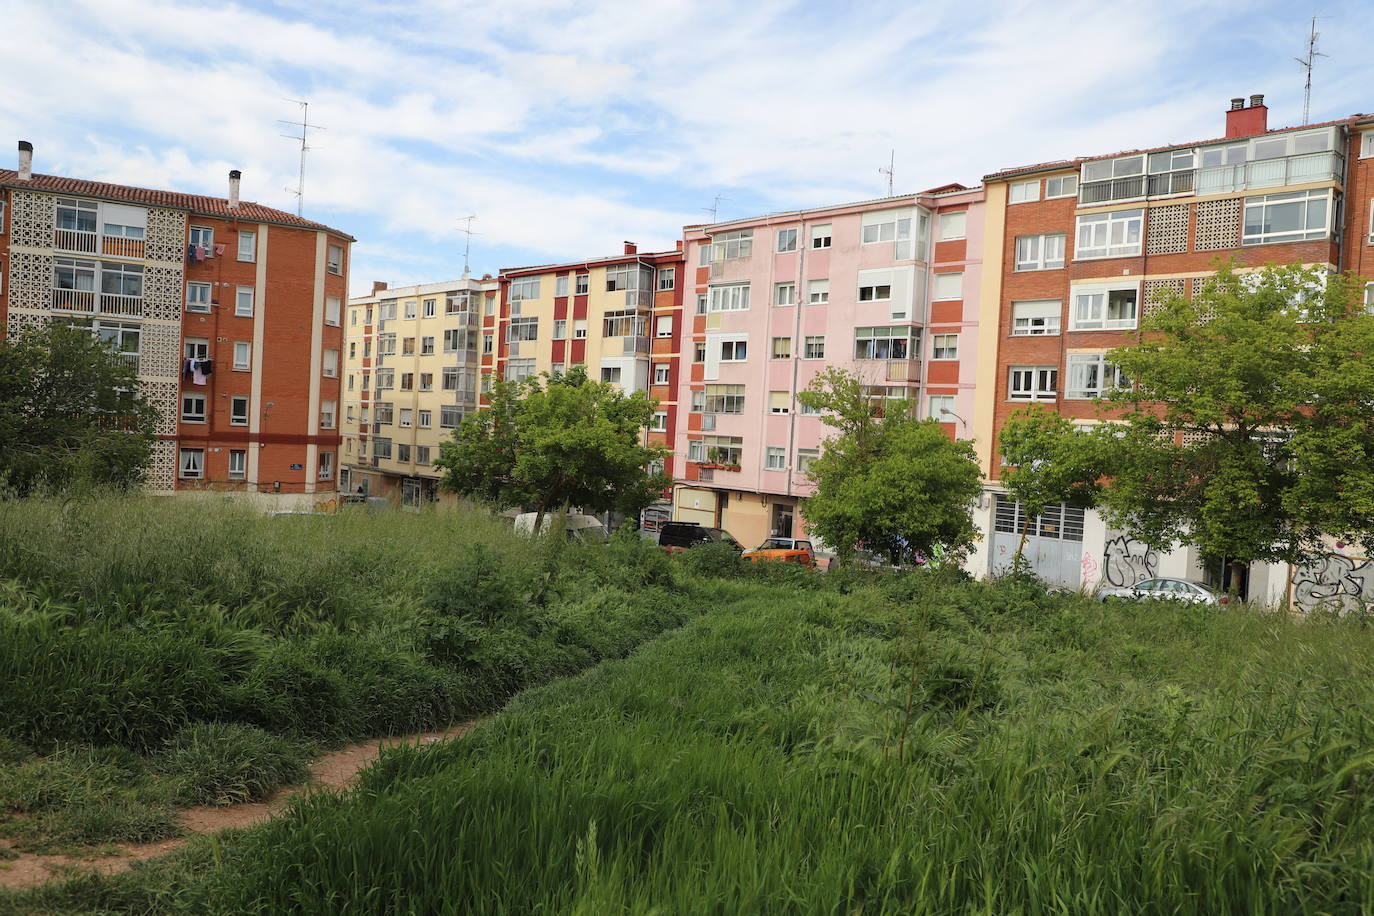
x,y
411,375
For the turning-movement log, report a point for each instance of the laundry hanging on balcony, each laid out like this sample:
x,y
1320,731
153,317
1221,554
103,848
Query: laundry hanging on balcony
x,y
196,370
196,253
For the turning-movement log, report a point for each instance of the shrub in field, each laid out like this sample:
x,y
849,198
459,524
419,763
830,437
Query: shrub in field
x,y
479,585
290,690
221,763
388,691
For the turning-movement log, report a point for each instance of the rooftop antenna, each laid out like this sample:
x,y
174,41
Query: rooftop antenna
x,y
467,242
890,170
305,127
715,207
1307,62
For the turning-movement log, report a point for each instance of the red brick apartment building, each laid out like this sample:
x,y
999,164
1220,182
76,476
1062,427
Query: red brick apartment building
x,y
232,312
620,316
1078,250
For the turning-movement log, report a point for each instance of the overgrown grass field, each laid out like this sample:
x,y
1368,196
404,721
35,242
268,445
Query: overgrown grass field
x,y
913,744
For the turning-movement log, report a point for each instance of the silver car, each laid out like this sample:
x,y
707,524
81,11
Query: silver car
x,y
1162,589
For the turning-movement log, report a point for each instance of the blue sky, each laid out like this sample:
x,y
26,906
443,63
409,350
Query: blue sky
x,y
568,127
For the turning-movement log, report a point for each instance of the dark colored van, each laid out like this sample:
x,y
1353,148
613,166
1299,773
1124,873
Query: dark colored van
x,y
675,536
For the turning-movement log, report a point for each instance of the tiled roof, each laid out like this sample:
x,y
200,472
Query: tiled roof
x,y
667,256
196,203
1066,163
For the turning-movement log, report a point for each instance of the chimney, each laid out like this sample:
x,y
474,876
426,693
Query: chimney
x,y
378,286
1247,122
25,160
234,176
679,244
631,248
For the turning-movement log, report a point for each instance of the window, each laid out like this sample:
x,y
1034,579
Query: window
x,y
366,380
1033,383
387,310
579,329
350,381
431,307
1063,186
820,236
560,329
426,346
238,410
663,326
944,346
698,401
1126,167
334,263
878,293
782,348
422,454
885,227
895,342
699,352
424,419
517,370
410,310
406,418
1109,235
196,348
1371,210
817,292
775,459
248,246
326,465
666,278
332,310
386,414
733,351
560,286
238,464
524,288
386,379
814,347
1091,376
193,408
941,408
243,302
806,411
198,297
407,346
452,336
779,402
450,417
659,422
1100,308
610,375
327,412
122,280
1286,217
1024,192
1040,252
726,246
953,225
948,286
448,378
349,414
582,285
661,373
1035,317
734,298
201,236
627,277
407,381
523,329
1367,145
807,457
701,303
331,365
243,355
426,381
723,450
381,448
623,323
787,240
488,342
785,294
192,463
353,317
558,369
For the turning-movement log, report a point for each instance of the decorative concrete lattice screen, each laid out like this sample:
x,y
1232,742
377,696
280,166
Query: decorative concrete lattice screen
x,y
166,240
30,280
1195,437
1218,224
1155,290
32,218
1168,230
162,468
1198,284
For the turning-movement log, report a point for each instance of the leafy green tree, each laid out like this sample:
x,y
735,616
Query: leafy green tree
x,y
1249,430
70,412
554,441
1049,460
887,482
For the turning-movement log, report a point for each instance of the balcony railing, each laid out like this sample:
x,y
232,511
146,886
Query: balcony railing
x,y
1271,173
73,300
121,247
633,345
129,306
75,240
903,370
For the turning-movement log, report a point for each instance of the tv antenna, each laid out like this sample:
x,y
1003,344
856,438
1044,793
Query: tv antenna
x,y
890,170
715,207
1307,62
305,127
466,229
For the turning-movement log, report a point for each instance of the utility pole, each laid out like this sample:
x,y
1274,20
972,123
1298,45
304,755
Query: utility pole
x,y
466,229
715,207
890,170
305,127
1307,62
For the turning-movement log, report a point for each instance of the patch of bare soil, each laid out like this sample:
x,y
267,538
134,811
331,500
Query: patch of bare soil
x,y
333,771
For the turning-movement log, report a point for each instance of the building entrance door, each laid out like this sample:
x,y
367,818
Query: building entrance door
x,y
782,521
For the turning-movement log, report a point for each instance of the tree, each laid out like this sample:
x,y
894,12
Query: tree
x,y
1250,424
886,482
1048,460
70,412
552,441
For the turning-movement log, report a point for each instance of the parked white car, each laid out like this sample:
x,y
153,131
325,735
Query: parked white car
x,y
1164,589
585,528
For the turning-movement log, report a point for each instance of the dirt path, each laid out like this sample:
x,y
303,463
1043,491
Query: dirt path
x,y
334,770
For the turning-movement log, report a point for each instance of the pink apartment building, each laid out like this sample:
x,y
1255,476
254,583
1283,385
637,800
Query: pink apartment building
x,y
888,288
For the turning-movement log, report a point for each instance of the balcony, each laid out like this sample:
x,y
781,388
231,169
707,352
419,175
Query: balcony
x,y
1271,173
79,240
903,370
631,346
73,300
119,247
89,302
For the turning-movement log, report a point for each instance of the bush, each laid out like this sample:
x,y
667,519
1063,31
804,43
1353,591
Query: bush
x,y
221,763
479,585
289,690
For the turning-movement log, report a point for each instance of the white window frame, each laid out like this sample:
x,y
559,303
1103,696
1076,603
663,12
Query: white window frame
x,y
1037,376
581,284
1032,252
1367,145
193,415
1092,306
953,226
948,351
1292,235
243,301
579,329
235,417
1077,365
786,240
810,341
940,291
238,464
667,279
1108,235
736,348
203,237
729,298
817,292
334,260
773,348
805,458
329,411
198,297
875,292
333,310
329,366
244,364
191,464
1023,192
560,286
821,236
1061,186
775,458
249,251
424,419
326,466
663,326
658,423
662,374
937,405
410,309
522,288
560,329
784,294
1026,325
727,246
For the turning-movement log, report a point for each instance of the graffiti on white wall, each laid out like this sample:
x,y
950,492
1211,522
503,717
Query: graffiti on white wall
x,y
1335,583
1126,561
